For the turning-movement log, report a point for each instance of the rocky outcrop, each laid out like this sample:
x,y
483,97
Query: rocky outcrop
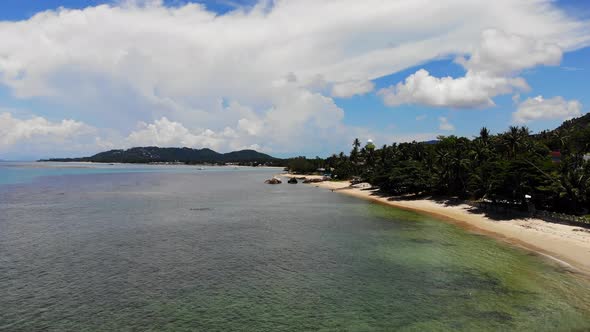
x,y
273,181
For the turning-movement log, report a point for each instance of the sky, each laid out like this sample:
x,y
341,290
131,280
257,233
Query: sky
x,y
285,77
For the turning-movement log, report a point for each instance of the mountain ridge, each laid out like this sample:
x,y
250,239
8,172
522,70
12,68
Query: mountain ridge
x,y
153,154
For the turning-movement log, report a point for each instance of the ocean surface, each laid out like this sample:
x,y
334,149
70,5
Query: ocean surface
x,y
174,248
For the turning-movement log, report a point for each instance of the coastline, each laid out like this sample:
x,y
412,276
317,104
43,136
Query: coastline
x,y
568,246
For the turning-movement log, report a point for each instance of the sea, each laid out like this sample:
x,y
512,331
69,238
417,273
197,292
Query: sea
x,y
98,247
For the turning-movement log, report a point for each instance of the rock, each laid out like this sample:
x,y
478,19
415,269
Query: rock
x,y
292,181
273,181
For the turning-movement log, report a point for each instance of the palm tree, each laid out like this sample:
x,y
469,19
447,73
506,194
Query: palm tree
x,y
574,181
356,144
512,139
484,135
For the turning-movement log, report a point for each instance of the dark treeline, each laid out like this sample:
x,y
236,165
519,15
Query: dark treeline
x,y
302,165
514,167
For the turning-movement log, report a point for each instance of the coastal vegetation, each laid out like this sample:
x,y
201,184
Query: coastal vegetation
x,y
188,156
547,171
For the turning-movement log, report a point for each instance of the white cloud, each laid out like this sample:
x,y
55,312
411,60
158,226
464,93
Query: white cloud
x,y
444,124
501,53
490,71
475,89
297,113
164,132
30,137
539,108
351,88
266,72
37,129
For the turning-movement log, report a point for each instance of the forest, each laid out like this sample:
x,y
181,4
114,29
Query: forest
x,y
549,170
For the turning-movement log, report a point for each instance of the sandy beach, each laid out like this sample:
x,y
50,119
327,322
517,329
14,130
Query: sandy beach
x,y
564,244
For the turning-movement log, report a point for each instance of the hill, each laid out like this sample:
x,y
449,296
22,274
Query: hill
x,y
580,123
574,132
154,154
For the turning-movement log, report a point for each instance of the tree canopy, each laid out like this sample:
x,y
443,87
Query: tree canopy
x,y
514,167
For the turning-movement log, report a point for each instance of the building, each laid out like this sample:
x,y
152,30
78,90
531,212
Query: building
x,y
555,156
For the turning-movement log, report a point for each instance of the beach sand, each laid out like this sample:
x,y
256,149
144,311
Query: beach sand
x,y
566,245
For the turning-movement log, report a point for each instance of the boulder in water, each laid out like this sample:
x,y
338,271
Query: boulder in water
x,y
292,181
273,181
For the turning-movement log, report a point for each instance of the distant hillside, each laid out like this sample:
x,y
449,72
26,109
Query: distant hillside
x,y
154,154
574,132
580,123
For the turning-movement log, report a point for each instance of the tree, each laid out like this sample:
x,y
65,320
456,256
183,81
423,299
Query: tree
x,y
503,168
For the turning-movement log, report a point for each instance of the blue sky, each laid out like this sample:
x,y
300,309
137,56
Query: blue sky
x,y
569,80
149,73
24,9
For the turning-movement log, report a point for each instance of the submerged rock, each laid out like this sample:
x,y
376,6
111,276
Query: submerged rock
x,y
273,181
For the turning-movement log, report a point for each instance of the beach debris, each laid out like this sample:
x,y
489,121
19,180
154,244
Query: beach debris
x,y
273,181
292,181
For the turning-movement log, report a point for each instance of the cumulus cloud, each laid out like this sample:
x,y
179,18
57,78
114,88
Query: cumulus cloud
x,y
444,124
490,71
539,108
501,53
164,132
37,137
14,130
475,89
349,89
297,113
269,71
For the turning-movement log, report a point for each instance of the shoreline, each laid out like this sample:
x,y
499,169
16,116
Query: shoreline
x,y
565,245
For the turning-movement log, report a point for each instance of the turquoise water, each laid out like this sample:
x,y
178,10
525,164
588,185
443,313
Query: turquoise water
x,y
221,251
